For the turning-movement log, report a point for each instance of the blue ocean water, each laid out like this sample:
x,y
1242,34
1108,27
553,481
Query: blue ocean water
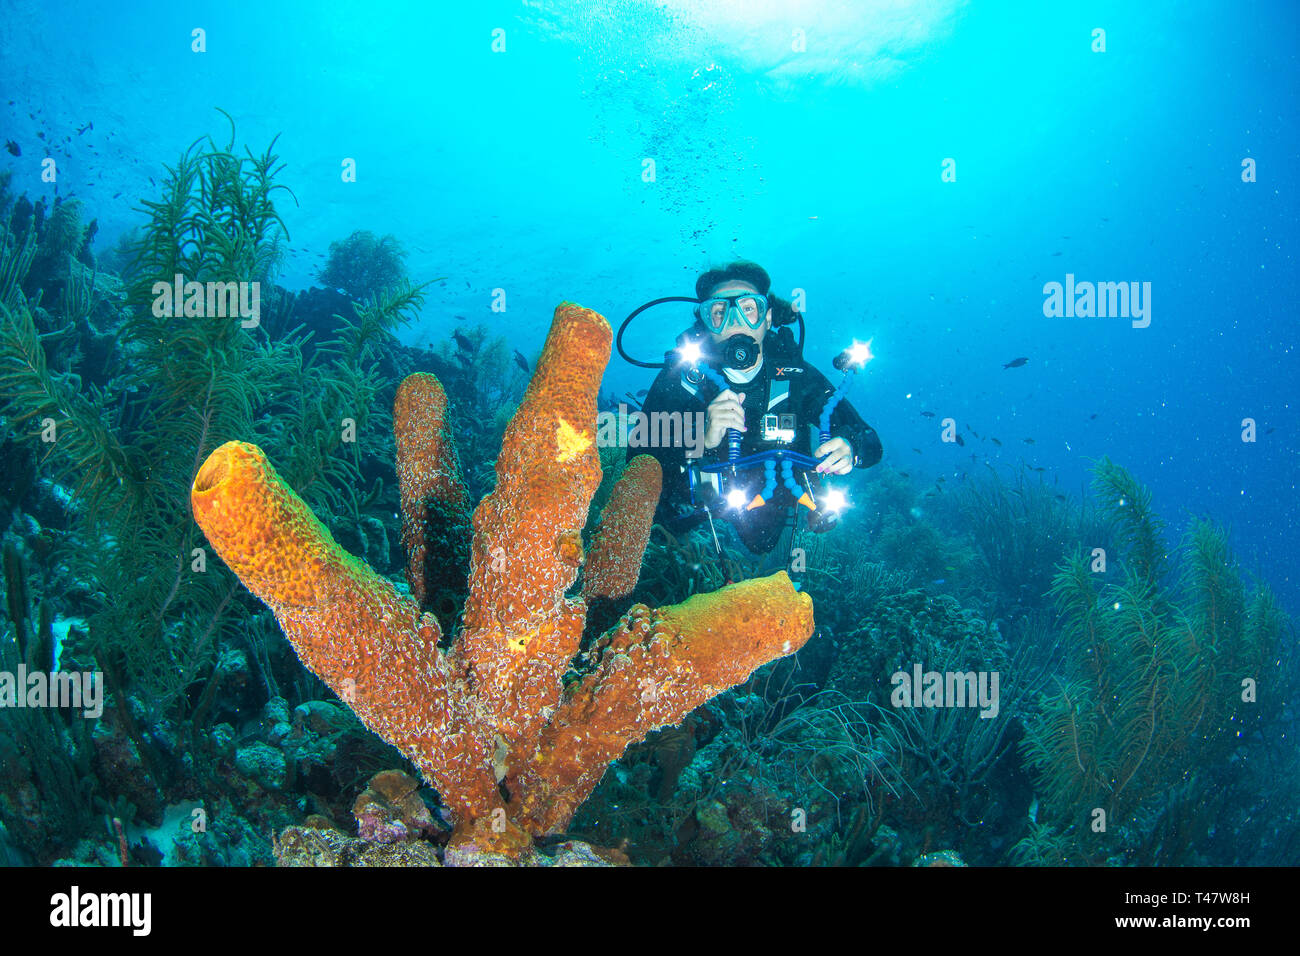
x,y
917,174
522,169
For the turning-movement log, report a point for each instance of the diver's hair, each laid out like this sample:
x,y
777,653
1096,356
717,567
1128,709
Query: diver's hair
x,y
783,311
742,270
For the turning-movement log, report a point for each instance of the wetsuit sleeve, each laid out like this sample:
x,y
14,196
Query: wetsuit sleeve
x,y
846,423
668,395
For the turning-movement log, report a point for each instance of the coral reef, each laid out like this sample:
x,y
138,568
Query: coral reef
x,y
1022,531
511,748
676,567
128,451
1158,685
1155,690
323,846
364,265
390,810
136,401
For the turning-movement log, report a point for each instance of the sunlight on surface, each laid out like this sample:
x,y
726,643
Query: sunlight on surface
x,y
842,42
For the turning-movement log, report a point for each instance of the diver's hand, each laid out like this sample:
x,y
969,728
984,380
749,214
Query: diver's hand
x,y
725,411
840,461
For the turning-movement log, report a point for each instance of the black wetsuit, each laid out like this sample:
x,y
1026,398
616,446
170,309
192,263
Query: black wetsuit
x,y
808,390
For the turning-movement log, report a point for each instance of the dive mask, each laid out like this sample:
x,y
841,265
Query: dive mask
x,y
747,308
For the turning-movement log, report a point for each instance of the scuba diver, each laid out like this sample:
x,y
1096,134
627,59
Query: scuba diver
x,y
740,366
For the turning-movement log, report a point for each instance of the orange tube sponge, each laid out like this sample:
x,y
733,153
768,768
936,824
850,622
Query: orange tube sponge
x,y
527,532
435,505
349,625
654,668
519,628
489,722
614,561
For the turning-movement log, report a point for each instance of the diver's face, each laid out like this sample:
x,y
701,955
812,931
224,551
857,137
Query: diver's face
x,y
734,327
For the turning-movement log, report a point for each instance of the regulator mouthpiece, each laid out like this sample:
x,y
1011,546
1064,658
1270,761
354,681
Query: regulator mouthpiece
x,y
739,351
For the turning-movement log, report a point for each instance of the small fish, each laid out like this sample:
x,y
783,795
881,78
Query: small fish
x,y
961,441
88,126
940,480
927,414
1028,441
973,432
1032,468
1059,497
996,442
522,362
463,342
917,450
41,135
1269,430
904,474
13,148
115,195
1016,362
1092,416
1055,253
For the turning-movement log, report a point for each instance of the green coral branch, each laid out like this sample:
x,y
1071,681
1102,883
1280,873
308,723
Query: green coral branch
x,y
87,453
1128,503
1156,678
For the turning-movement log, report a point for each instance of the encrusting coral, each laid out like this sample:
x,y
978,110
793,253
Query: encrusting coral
x,y
491,723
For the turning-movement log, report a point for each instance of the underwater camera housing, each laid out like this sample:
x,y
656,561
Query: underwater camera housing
x,y
750,482
777,428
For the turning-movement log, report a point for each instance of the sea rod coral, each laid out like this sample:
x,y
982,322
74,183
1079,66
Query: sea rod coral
x,y
491,722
